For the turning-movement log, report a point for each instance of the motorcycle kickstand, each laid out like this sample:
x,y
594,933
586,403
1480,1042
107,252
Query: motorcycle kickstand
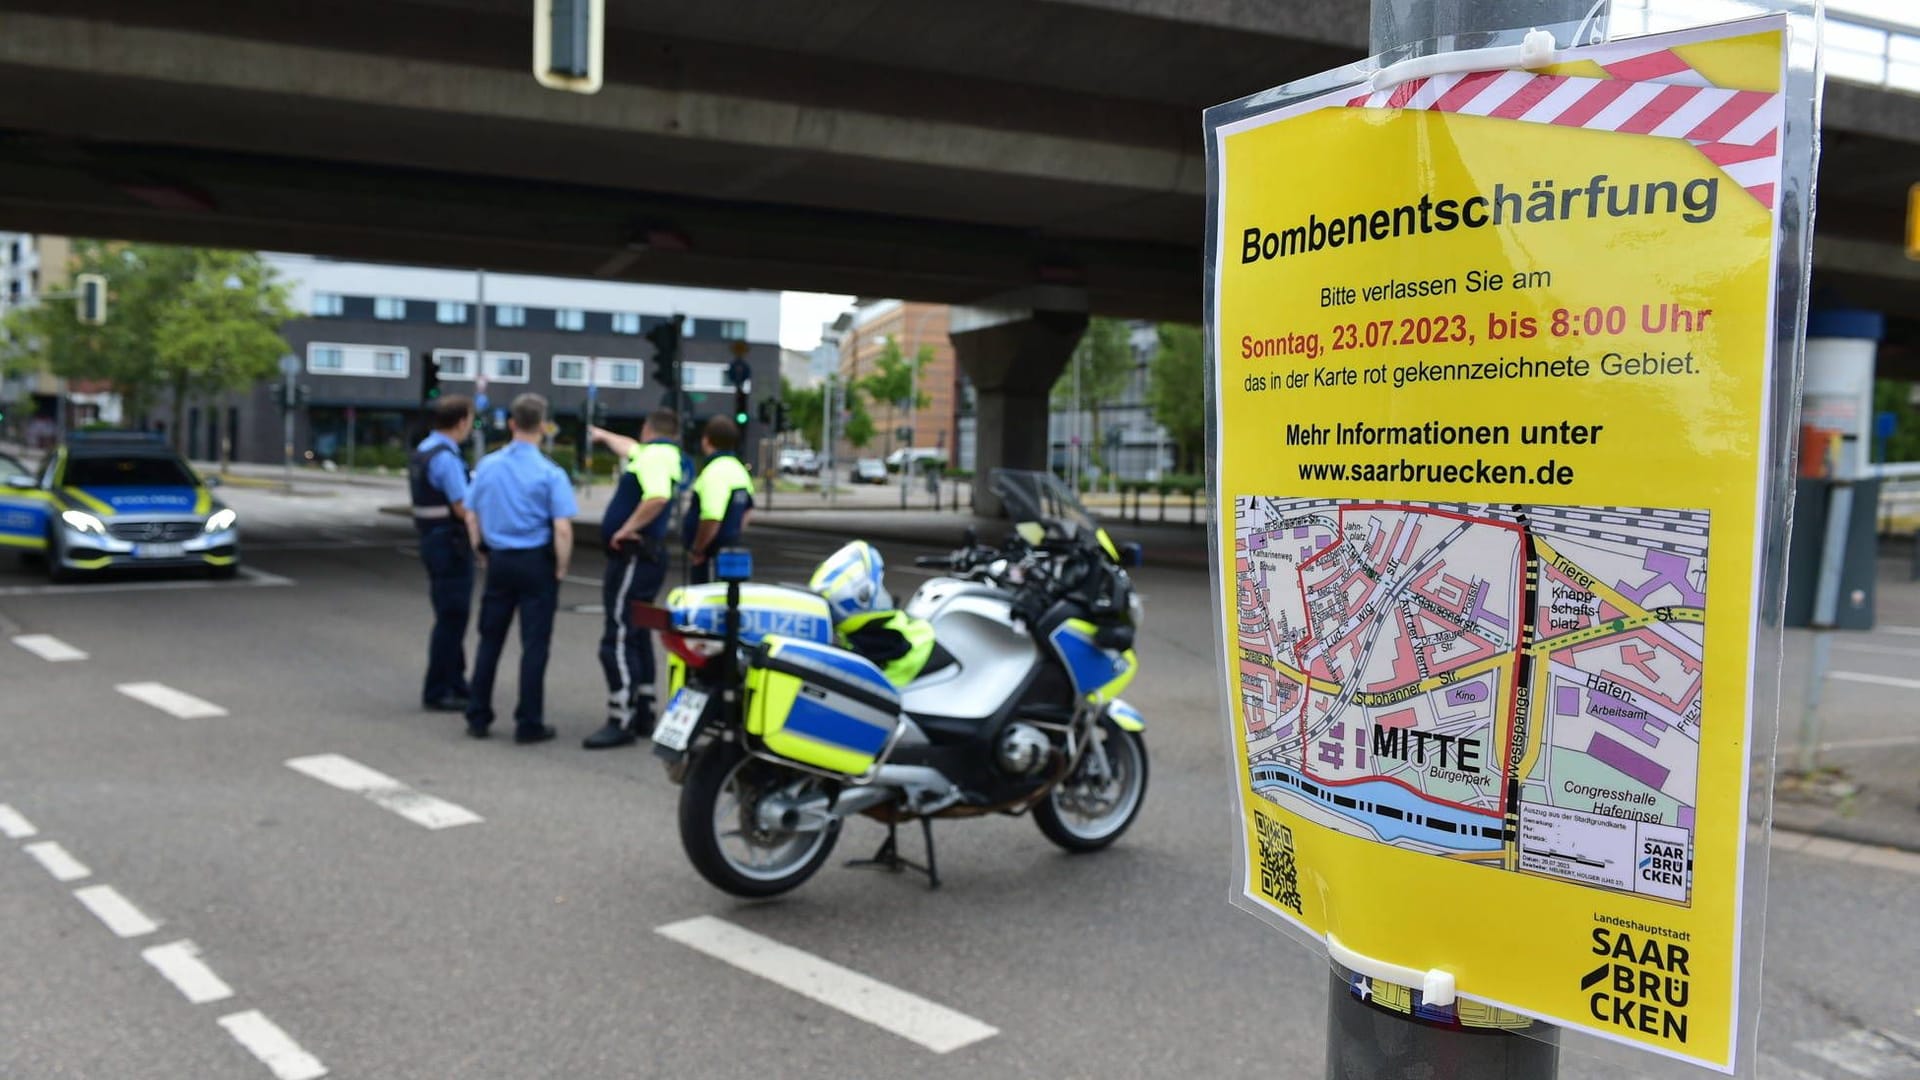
x,y
888,856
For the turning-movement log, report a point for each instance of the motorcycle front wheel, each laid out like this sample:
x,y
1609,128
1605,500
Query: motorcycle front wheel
x,y
723,836
1085,811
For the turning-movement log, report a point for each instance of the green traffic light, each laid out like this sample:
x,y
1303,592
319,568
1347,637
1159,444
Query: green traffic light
x,y
740,418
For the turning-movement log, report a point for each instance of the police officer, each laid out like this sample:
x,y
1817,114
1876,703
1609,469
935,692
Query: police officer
x,y
521,509
437,478
722,498
634,531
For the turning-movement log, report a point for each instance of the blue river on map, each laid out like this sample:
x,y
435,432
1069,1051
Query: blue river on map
x,y
1372,794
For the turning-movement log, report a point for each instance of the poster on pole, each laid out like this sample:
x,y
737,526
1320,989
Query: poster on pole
x,y
1500,374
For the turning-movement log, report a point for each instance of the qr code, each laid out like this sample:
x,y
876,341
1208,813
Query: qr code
x,y
1279,873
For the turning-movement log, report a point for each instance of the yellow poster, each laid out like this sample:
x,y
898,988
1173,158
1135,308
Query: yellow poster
x,y
1493,375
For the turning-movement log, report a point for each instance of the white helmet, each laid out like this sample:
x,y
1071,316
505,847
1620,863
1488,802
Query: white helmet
x,y
851,580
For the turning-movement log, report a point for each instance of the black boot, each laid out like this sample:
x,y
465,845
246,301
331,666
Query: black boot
x,y
608,737
642,723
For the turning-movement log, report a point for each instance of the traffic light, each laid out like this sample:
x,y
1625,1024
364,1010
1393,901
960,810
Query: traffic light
x,y
666,353
430,381
740,408
90,299
780,424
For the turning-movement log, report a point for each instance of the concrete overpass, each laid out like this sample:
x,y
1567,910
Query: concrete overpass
x,y
1017,155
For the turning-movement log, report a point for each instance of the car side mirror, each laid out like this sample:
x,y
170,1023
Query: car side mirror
x,y
20,483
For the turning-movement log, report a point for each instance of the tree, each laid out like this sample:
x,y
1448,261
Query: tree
x,y
1104,359
859,426
805,410
894,379
1176,391
189,322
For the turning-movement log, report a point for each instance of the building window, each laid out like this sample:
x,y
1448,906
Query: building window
x,y
626,322
450,311
617,371
507,367
702,377
454,363
509,315
328,305
389,307
569,319
724,329
381,361
570,371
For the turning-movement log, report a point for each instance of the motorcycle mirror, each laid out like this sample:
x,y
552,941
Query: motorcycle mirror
x,y
1133,554
970,537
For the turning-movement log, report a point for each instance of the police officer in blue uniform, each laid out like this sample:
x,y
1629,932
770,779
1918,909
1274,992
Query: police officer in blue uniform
x,y
722,500
437,478
634,531
520,515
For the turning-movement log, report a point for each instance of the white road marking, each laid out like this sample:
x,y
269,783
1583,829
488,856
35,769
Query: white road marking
x,y
1863,1053
907,1015
181,964
1909,631
576,579
14,825
1875,680
49,648
63,866
1877,650
383,790
279,1053
115,910
249,578
173,702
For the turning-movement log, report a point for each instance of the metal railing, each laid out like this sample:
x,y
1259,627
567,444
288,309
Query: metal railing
x,y
1859,48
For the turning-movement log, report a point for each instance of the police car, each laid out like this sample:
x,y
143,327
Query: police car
x,y
117,499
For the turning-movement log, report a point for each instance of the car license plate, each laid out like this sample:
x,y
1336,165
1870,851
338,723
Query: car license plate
x,y
160,551
683,713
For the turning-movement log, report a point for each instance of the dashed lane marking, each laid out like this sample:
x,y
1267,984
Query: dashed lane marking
x,y
49,648
249,578
115,910
14,825
1876,680
180,963
177,703
275,1049
58,862
384,791
905,1014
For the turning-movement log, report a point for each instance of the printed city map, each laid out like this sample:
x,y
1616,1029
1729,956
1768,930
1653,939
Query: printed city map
x,y
1513,686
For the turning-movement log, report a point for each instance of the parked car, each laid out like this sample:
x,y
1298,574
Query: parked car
x,y
869,470
799,462
917,454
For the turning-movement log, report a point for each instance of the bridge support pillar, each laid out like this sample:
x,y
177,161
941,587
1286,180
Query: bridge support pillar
x,y
1013,349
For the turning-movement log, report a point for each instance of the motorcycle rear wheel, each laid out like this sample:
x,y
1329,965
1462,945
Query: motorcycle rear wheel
x,y
725,843
1081,816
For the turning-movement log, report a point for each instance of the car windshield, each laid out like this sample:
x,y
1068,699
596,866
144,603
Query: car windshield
x,y
129,471
1031,495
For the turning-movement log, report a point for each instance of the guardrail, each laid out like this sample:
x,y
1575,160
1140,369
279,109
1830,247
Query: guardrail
x,y
1859,48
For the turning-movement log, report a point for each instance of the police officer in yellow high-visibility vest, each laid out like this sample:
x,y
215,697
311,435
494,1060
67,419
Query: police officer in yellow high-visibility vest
x,y
722,500
634,532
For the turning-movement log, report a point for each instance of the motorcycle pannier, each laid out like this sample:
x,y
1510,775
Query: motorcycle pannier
x,y
820,705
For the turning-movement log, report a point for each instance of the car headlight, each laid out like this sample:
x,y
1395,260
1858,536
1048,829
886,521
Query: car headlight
x,y
222,520
81,521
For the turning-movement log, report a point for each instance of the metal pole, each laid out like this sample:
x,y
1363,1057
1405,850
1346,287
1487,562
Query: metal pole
x,y
479,363
826,433
352,416
1366,1041
286,448
1826,597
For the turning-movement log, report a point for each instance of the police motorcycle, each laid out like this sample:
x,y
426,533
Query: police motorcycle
x,y
778,735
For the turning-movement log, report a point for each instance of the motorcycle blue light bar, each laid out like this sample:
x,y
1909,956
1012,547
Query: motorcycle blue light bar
x,y
733,564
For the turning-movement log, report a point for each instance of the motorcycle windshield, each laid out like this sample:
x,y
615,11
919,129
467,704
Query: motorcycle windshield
x,y
1032,495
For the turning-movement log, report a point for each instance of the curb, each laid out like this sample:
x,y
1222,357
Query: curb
x,y
1825,823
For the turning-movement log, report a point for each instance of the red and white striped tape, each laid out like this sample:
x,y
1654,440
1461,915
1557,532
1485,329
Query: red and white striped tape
x,y
1739,130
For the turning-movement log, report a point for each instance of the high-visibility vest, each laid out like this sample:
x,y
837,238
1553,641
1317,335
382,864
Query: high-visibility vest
x,y
917,633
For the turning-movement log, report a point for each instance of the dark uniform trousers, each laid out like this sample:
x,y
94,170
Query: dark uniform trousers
x,y
626,652
449,563
522,580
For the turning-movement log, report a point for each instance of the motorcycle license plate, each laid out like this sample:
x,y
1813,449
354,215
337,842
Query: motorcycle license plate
x,y
682,715
159,551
